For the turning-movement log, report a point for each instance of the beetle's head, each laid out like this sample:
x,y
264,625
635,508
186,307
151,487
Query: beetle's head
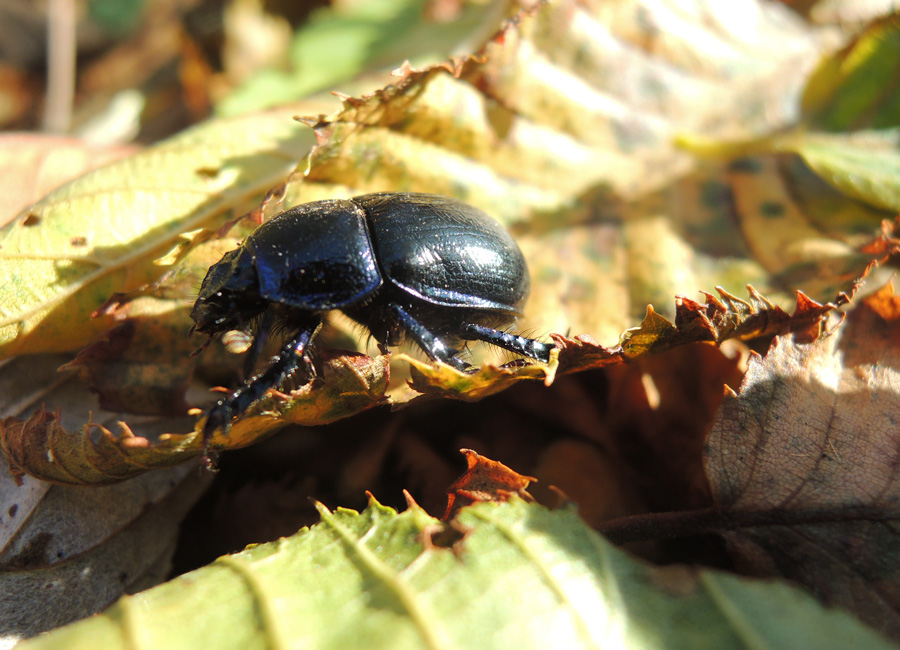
x,y
229,296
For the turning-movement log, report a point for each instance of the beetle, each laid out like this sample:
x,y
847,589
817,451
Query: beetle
x,y
404,265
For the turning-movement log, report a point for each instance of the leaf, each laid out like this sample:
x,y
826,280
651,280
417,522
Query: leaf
x,y
864,165
121,368
144,364
485,480
804,460
73,551
536,130
443,380
856,87
521,577
848,134
338,42
94,454
101,234
35,164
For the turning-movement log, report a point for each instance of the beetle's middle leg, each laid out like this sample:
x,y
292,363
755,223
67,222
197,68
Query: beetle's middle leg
x,y
433,346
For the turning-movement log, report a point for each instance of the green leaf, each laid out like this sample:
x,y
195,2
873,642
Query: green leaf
x,y
339,42
864,165
848,133
521,576
856,88
103,233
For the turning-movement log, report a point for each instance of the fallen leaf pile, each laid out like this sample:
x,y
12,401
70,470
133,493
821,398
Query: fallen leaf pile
x,y
707,200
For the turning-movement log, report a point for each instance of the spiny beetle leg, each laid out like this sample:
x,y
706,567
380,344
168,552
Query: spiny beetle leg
x,y
512,342
432,345
291,356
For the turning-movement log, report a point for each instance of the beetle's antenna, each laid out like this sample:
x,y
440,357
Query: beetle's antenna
x,y
202,347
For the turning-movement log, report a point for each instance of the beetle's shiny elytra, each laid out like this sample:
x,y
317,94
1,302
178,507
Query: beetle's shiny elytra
x,y
422,266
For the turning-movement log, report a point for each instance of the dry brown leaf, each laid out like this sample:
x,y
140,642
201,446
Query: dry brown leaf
x,y
804,462
484,480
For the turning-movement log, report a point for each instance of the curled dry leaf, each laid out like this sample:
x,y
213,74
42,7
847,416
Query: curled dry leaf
x,y
807,454
94,454
353,382
485,480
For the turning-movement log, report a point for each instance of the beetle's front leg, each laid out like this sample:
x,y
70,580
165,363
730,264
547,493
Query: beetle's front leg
x,y
293,355
251,356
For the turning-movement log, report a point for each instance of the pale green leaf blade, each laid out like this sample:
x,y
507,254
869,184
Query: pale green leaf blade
x,y
864,165
341,41
64,256
522,577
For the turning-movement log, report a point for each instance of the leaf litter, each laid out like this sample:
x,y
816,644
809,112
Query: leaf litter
x,y
810,446
651,247
410,135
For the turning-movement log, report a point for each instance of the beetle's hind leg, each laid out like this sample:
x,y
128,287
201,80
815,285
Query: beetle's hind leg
x,y
292,356
512,342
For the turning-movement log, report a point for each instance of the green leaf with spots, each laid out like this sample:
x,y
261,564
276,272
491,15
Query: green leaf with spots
x,y
106,231
521,576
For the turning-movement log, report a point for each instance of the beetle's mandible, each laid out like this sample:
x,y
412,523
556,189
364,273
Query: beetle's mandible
x,y
422,266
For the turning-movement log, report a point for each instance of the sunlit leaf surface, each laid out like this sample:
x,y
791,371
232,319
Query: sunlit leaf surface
x,y
520,576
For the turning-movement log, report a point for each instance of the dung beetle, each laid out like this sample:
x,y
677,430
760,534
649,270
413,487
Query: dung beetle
x,y
401,264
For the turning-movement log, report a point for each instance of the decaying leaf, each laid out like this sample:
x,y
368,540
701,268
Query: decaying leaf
x,y
804,460
521,577
485,480
74,550
143,365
